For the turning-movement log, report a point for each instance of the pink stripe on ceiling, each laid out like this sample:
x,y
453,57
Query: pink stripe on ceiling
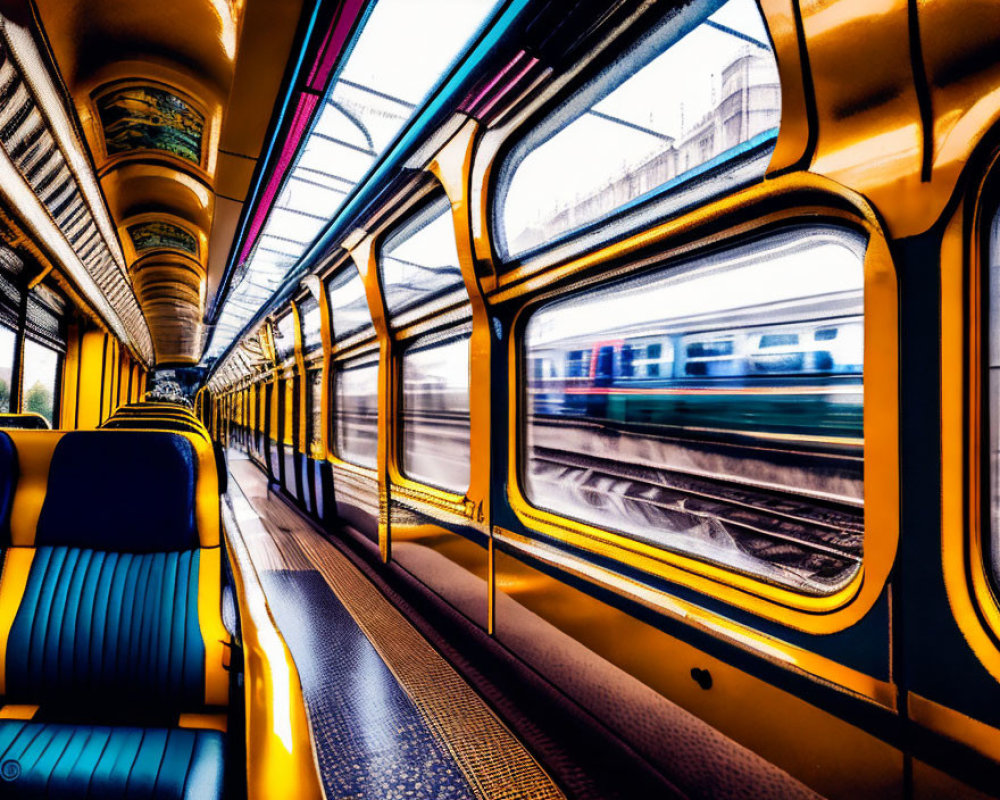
x,y
507,87
333,44
300,124
329,52
468,106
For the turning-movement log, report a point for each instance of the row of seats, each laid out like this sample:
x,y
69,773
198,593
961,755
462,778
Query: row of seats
x,y
113,651
162,416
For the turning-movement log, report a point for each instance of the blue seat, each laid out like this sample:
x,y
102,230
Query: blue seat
x,y
117,636
90,762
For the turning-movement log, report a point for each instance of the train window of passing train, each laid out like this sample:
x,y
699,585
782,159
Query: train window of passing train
x,y
435,431
349,314
309,315
355,415
419,263
740,440
690,111
284,337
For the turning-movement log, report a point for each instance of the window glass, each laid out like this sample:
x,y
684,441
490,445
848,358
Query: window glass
x,y
355,390
7,343
41,377
284,337
436,412
419,262
314,398
691,110
312,337
713,408
349,313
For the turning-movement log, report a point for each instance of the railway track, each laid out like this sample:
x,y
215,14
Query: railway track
x,y
812,544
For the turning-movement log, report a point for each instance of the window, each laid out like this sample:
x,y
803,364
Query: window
x,y
314,398
690,111
435,432
355,430
41,379
735,452
7,343
419,263
284,337
349,313
312,336
420,273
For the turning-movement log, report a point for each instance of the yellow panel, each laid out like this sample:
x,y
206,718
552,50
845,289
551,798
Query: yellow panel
x,y
205,722
280,760
13,579
71,369
289,410
213,632
233,178
18,712
34,453
89,398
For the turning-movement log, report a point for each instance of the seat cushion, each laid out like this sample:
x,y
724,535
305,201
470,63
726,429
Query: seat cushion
x,y
57,761
97,629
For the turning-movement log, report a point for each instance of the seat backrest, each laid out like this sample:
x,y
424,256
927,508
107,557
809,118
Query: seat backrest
x,y
154,424
129,493
118,595
30,422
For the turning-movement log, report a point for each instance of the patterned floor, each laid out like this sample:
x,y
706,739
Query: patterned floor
x,y
391,718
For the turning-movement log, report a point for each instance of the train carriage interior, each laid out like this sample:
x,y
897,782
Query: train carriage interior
x,y
499,399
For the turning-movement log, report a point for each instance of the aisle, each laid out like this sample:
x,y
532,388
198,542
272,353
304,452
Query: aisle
x,y
390,716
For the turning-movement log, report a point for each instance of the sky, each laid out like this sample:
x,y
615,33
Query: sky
x,y
669,95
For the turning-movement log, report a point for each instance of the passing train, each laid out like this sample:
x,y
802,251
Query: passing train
x,y
793,378
500,399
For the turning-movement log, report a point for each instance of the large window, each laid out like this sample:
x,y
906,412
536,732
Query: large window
x,y
435,432
355,381
690,111
713,407
355,391
421,277
312,336
419,263
348,305
284,337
